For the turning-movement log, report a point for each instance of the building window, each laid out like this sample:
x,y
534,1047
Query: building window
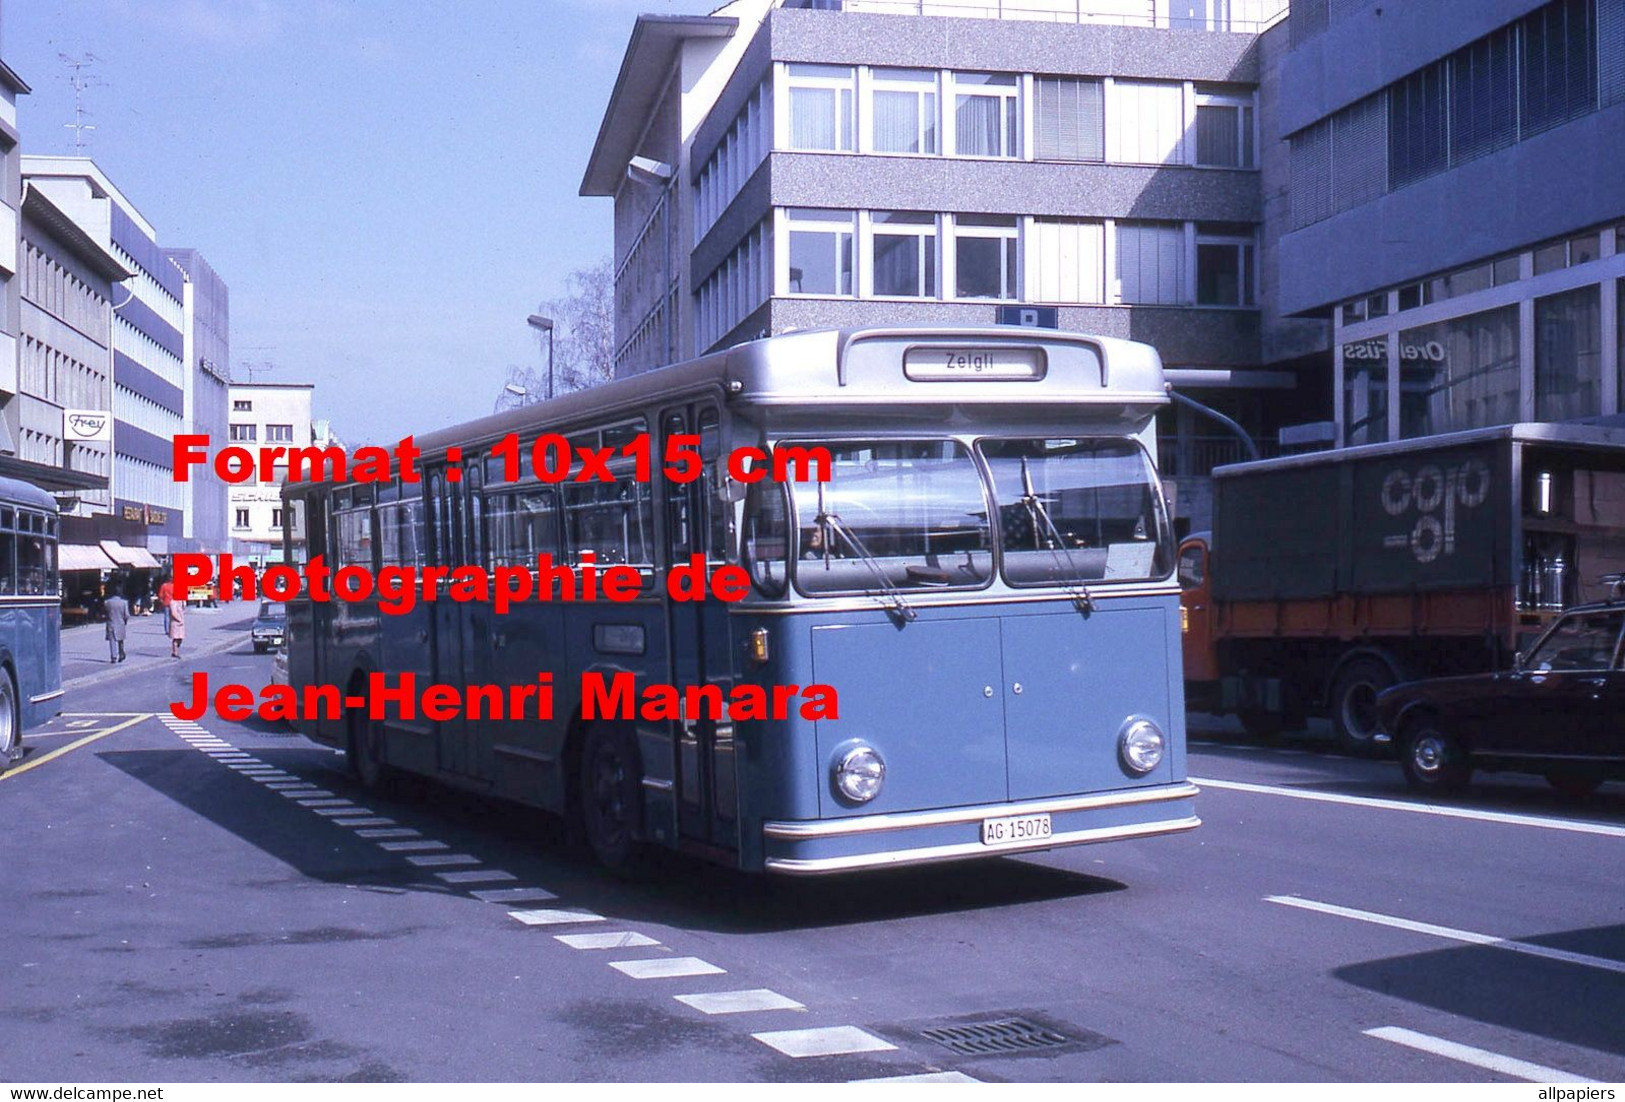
x,y
904,254
905,111
242,434
1417,126
985,256
1559,59
821,114
1483,96
1151,264
1224,130
1568,355
276,518
1066,261
1224,266
279,434
1459,374
1068,120
241,519
1365,392
820,251
242,405
987,115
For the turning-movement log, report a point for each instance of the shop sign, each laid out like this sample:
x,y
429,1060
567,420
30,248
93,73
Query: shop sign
x,y
87,425
1376,348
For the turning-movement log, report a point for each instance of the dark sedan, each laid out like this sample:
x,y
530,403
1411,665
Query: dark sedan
x,y
1559,713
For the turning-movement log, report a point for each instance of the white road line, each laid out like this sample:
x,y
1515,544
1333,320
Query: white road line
x,y
620,939
442,860
1478,1057
835,1040
666,968
553,918
310,794
375,821
923,1077
476,876
739,1002
388,832
1451,934
334,812
423,845
288,786
513,895
338,801
1574,826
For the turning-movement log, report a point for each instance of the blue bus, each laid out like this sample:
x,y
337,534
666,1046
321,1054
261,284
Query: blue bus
x,y
982,571
30,615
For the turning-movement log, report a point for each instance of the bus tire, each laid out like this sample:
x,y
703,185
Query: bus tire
x,y
610,795
364,752
1354,703
1433,759
11,728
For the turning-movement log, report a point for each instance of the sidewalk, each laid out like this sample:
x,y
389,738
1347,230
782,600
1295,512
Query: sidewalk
x,y
208,631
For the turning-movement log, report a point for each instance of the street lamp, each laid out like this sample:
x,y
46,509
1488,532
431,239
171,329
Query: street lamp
x,y
545,325
510,388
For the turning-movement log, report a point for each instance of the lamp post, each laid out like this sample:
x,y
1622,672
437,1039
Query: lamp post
x,y
545,325
510,388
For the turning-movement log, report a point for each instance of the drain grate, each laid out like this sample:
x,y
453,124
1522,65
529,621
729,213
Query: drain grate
x,y
1000,1035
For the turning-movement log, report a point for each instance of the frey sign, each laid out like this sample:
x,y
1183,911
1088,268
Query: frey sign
x,y
87,425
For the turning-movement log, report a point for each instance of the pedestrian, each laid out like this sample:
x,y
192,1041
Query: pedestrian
x,y
117,611
177,627
166,597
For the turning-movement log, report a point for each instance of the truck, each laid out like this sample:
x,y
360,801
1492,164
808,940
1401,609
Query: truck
x,y
1329,577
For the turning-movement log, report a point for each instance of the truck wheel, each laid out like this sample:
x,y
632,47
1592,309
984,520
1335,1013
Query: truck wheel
x,y
1354,703
1573,786
1432,759
610,795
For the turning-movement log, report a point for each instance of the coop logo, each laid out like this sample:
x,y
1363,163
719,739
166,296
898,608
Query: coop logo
x,y
87,424
1435,494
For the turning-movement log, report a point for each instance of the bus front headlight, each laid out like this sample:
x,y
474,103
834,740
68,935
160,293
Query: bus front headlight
x,y
859,774
1140,746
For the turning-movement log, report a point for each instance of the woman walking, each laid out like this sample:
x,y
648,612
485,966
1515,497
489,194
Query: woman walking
x,y
177,627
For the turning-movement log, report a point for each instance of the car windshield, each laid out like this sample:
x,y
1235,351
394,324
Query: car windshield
x,y
906,514
270,610
1078,510
1581,641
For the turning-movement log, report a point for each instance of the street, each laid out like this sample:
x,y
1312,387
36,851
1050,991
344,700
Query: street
x,y
219,901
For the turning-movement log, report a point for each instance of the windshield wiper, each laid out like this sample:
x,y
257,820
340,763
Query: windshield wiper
x,y
888,594
1038,512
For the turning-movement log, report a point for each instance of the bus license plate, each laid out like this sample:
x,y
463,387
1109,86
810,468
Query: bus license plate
x,y
1015,828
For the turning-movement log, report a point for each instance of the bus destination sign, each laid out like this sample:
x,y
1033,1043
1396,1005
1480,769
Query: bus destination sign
x,y
934,363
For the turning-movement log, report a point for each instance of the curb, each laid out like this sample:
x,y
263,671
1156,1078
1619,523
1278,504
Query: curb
x,y
123,669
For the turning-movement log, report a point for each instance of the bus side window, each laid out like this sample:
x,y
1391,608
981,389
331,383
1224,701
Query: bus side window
x,y
613,520
477,542
718,520
30,555
679,534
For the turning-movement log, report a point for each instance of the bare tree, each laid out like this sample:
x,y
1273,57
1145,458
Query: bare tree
x,y
583,340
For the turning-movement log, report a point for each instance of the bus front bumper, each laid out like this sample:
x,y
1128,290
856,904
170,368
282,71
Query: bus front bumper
x,y
813,848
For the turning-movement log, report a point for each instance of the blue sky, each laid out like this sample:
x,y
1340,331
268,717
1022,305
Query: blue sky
x,y
388,187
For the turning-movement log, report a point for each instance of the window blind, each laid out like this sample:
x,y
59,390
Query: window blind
x,y
1069,123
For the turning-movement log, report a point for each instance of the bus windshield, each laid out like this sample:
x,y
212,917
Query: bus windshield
x,y
1076,510
908,514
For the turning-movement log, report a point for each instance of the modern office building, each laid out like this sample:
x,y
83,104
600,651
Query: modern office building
x,y
11,86
262,414
797,164
207,330
1456,207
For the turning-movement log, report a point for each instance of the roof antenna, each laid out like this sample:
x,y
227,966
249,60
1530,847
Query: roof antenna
x,y
81,80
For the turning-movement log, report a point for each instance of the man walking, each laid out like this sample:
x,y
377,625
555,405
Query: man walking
x,y
118,623
166,597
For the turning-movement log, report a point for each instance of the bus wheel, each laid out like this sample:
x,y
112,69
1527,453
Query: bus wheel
x,y
1433,760
10,728
364,751
1354,703
610,795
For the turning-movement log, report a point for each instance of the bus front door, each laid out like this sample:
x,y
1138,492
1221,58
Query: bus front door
x,y
449,629
697,521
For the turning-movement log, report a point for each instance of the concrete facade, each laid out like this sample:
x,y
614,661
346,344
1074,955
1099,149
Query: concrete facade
x,y
266,414
207,404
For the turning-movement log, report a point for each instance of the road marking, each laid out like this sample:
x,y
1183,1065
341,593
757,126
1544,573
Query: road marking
x,y
1576,826
442,860
1478,1057
308,794
835,1040
59,751
553,918
286,786
666,968
335,812
621,939
423,845
1451,934
375,821
739,1002
513,895
482,876
922,1077
334,801
388,832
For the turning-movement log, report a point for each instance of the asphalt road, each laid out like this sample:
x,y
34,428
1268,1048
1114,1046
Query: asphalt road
x,y
190,904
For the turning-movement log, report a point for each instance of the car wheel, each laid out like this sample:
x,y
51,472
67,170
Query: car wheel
x,y
1433,759
1354,703
11,730
610,794
1573,786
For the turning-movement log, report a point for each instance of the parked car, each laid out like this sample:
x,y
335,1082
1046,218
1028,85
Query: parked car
x,y
270,626
206,596
1559,713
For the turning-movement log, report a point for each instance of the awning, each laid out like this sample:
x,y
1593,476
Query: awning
x,y
138,558
83,556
